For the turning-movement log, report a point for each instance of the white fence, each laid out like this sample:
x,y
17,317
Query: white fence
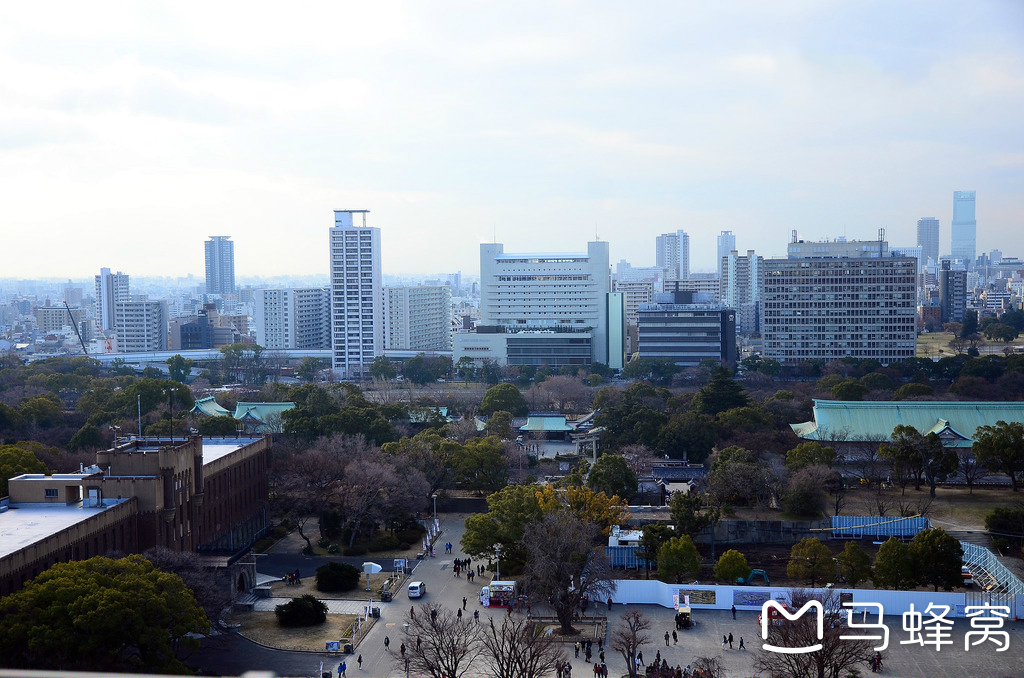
x,y
711,597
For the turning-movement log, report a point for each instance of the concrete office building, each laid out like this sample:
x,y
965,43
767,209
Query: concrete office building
x,y
928,240
964,229
141,326
220,265
55,318
952,293
294,317
418,318
706,287
672,255
357,314
831,307
741,283
111,289
676,329
726,244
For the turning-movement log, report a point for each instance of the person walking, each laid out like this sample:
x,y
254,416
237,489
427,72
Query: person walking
x,y
730,641
576,647
341,670
387,643
733,611
640,657
666,638
725,641
359,660
460,615
675,638
412,611
741,643
401,650
463,602
476,616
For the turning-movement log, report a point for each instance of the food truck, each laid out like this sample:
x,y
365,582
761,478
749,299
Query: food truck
x,y
498,594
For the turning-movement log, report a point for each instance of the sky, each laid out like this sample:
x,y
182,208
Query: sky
x,y
130,132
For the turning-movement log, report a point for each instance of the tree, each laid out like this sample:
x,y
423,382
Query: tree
x,y
305,610
687,514
520,648
721,393
479,465
1006,523
810,561
808,454
970,324
916,456
510,510
630,636
970,469
804,495
15,460
383,369
310,367
935,559
210,595
500,424
1000,449
1001,332
439,643
504,397
611,474
218,426
678,560
179,368
688,436
913,390
731,566
854,564
566,564
838,656
892,566
849,389
100,615
653,536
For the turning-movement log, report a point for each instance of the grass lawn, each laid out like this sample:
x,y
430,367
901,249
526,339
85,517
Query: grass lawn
x,y
308,585
936,344
263,628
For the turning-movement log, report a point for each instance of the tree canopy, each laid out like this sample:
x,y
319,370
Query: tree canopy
x,y
935,559
613,476
504,397
1000,448
720,394
678,560
99,615
17,459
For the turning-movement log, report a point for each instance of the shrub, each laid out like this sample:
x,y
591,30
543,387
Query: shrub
x,y
384,542
404,546
324,543
262,545
355,550
304,611
336,577
334,548
411,535
280,532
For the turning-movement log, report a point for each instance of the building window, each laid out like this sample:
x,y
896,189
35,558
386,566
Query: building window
x,y
51,494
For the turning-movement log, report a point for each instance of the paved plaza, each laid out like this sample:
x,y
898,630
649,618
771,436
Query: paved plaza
x,y
232,655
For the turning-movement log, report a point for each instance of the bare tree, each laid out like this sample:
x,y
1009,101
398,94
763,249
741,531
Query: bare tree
x,y
640,459
631,635
520,649
440,644
970,469
565,565
835,659
708,667
210,594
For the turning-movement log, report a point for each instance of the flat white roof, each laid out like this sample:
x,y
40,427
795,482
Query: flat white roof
x,y
215,448
25,524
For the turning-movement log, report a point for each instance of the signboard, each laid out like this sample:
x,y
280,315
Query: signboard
x,y
675,601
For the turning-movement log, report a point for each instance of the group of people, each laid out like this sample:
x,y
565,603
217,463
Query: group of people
x,y
876,662
727,641
587,648
460,564
291,578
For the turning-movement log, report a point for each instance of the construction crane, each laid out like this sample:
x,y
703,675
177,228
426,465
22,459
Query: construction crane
x,y
74,324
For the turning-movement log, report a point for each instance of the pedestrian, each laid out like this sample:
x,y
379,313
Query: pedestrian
x,y
675,638
412,611
341,669
387,643
401,650
460,615
666,638
741,643
359,660
601,655
640,657
733,611
609,602
639,663
576,647
730,641
463,602
725,641
476,616
433,615
657,658
589,654
418,642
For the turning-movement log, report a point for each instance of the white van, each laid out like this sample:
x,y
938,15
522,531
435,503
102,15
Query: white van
x,y
417,589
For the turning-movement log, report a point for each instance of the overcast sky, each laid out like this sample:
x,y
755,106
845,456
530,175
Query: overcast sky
x,y
131,132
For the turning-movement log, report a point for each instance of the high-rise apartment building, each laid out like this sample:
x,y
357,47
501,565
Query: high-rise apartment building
x,y
741,282
964,230
928,240
111,289
675,329
141,326
55,318
357,322
672,255
294,317
220,265
831,307
952,293
726,244
418,318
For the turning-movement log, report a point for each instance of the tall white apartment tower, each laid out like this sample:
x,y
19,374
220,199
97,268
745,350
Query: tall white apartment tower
x,y
672,255
418,318
726,244
296,317
357,314
964,230
220,265
928,240
111,289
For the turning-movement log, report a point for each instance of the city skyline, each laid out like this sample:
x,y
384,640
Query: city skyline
x,y
130,136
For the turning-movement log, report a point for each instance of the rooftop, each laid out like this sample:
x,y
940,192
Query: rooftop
x,y
25,524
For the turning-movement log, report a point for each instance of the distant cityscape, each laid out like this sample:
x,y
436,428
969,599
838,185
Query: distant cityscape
x,y
829,299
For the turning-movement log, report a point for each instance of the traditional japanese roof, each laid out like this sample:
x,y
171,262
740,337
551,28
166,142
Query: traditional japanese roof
x,y
208,406
547,424
954,422
264,416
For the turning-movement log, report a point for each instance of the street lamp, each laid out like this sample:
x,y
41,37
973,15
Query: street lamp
x,y
434,497
497,560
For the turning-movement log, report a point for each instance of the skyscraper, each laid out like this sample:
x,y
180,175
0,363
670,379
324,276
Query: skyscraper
x,y
220,265
964,228
357,316
726,244
672,254
111,289
928,239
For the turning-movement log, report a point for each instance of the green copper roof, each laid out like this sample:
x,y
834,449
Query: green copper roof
x,y
260,411
209,407
955,422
